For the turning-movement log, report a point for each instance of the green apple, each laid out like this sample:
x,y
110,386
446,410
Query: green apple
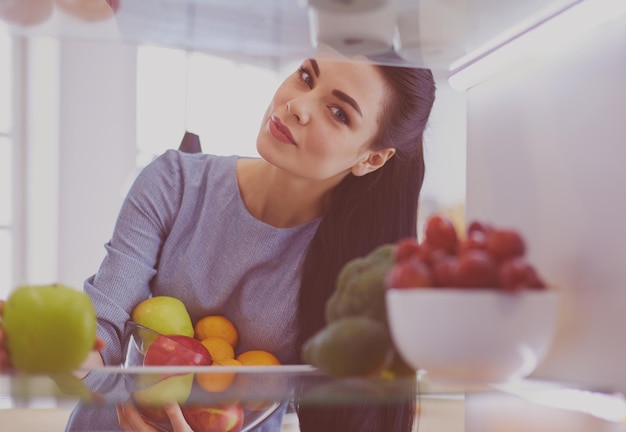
x,y
150,399
49,328
163,314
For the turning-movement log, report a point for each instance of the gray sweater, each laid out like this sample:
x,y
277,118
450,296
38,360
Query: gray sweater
x,y
183,231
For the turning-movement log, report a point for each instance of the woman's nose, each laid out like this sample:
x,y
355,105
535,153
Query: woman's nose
x,y
298,109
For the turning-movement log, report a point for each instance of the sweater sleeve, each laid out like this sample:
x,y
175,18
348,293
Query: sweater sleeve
x,y
132,254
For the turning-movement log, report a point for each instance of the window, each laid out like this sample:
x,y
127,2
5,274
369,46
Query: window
x,y
210,96
6,159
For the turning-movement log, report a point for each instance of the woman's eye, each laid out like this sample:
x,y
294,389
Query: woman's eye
x,y
305,76
340,115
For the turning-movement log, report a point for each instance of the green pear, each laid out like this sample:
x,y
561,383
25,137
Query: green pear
x,y
49,328
163,314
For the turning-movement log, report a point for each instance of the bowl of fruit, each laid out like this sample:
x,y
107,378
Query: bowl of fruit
x,y
469,308
215,391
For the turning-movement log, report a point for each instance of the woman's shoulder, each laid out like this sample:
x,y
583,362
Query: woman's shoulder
x,y
178,171
180,157
193,164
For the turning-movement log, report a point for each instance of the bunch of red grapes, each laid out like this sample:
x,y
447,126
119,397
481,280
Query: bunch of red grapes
x,y
487,257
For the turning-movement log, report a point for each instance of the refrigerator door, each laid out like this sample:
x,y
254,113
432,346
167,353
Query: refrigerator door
x,y
546,154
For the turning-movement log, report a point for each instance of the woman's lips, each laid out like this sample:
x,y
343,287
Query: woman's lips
x,y
280,131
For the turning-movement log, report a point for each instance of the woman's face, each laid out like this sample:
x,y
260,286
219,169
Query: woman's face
x,y
322,120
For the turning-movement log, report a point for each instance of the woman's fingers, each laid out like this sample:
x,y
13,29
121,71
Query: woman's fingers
x,y
5,361
130,419
2,347
98,345
121,417
175,414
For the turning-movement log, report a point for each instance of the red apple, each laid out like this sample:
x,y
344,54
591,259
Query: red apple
x,y
214,418
194,345
177,350
169,350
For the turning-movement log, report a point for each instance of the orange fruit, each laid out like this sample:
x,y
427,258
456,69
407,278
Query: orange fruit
x,y
218,326
215,382
229,362
258,358
219,348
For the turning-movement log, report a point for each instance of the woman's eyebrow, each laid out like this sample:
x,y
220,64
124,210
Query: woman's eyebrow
x,y
337,93
347,99
315,66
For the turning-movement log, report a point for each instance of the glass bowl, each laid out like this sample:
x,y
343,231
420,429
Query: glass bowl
x,y
233,399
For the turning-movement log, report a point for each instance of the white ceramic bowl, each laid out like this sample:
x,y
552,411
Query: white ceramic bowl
x,y
472,335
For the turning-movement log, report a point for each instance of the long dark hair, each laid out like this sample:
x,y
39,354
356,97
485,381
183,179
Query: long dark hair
x,y
365,212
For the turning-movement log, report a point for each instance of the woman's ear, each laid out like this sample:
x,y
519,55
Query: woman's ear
x,y
374,160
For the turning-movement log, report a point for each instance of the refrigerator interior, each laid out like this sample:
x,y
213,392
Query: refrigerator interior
x,y
544,142
545,153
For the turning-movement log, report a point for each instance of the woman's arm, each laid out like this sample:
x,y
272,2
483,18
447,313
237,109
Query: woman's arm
x,y
131,261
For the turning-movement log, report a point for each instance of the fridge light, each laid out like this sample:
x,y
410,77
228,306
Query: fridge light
x,y
606,406
534,43
609,407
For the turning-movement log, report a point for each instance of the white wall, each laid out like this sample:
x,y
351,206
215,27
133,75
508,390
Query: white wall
x,y
97,146
445,152
546,154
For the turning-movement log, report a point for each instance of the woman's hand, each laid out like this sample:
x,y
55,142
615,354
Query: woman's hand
x,y
131,420
5,360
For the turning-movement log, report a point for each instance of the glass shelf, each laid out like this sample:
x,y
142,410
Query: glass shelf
x,y
432,33
114,385
268,387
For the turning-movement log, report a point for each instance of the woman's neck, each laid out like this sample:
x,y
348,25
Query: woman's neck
x,y
278,199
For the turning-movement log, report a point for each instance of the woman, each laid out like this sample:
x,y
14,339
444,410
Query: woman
x,y
341,171
365,212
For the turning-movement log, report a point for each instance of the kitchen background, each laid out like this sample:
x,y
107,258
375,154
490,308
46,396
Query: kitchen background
x,y
85,115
